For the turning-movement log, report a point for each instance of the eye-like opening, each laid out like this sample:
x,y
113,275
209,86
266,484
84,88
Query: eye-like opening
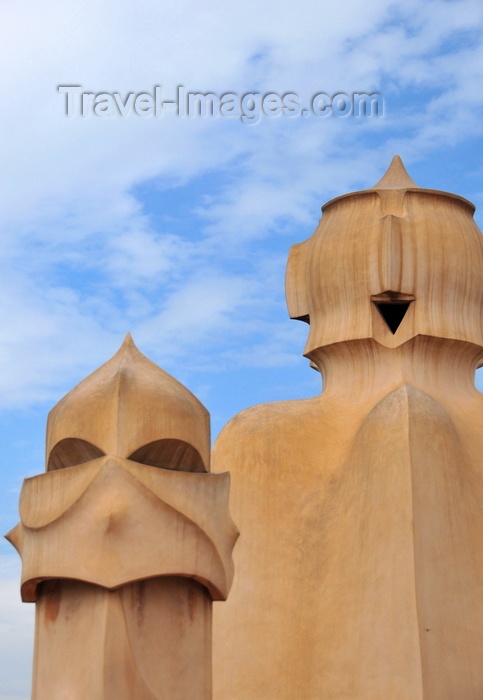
x,y
169,453
72,451
393,307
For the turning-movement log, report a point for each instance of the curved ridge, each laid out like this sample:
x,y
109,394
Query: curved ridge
x,y
40,504
220,555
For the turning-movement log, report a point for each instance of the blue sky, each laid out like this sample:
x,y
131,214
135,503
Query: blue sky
x,y
178,229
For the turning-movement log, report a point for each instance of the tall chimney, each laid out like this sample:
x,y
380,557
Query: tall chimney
x,y
126,540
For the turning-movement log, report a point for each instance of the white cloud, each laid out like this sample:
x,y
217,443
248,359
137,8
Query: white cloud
x,y
83,262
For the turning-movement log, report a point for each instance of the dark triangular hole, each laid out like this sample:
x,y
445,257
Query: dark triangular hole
x,y
393,313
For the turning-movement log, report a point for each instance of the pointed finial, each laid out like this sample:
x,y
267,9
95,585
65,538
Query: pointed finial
x,y
127,351
128,343
395,177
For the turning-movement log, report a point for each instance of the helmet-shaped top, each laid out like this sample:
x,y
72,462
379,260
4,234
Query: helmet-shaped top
x,y
390,263
131,408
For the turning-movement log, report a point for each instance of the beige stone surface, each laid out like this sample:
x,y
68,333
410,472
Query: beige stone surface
x,y
126,540
112,521
149,640
359,570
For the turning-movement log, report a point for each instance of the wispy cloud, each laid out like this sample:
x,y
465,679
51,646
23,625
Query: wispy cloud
x,y
195,269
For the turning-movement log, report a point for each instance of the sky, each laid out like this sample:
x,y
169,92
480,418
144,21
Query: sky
x,y
177,228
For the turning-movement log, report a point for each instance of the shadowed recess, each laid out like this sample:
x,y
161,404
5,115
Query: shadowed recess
x,y
72,451
393,313
169,454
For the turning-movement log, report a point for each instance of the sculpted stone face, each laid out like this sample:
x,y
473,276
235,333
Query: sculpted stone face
x,y
125,540
360,565
390,263
101,501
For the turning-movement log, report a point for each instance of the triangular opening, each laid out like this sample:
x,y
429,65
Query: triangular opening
x,y
393,313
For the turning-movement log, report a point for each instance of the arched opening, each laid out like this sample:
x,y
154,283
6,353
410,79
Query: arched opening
x,y
72,451
170,454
